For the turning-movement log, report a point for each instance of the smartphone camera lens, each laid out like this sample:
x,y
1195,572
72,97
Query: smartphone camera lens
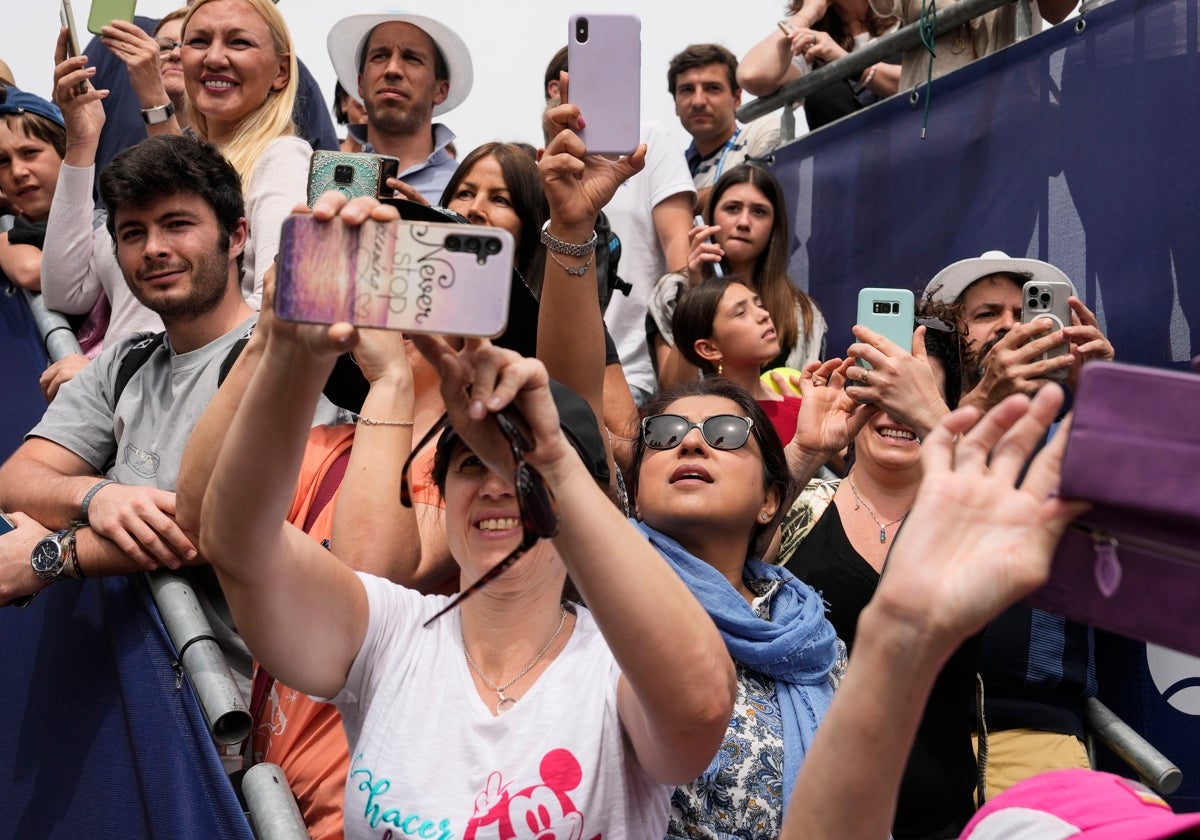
x,y
581,30
473,245
343,173
452,243
492,246
1046,298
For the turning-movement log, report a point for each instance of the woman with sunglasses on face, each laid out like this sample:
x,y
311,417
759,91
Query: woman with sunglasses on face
x,y
712,480
516,709
837,536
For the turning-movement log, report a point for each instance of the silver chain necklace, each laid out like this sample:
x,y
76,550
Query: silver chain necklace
x,y
882,527
507,703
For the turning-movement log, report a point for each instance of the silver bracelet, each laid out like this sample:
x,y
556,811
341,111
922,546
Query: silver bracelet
x,y
371,421
577,271
87,499
567,249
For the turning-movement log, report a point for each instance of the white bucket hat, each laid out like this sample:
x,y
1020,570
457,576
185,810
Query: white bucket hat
x,y
948,285
348,38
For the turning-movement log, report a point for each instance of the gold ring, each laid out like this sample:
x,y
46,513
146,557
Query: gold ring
x,y
818,381
864,376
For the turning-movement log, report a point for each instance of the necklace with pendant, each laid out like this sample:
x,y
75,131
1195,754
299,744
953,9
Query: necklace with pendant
x,y
859,502
506,703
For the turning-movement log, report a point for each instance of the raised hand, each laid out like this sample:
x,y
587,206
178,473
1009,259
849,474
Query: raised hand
x,y
975,541
901,383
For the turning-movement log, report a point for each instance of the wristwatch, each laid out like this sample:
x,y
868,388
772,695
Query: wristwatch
x,y
158,114
54,556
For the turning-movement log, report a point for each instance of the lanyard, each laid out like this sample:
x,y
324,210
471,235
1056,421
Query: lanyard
x,y
729,146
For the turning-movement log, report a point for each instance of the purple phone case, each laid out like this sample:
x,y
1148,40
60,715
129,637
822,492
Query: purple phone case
x,y
1131,564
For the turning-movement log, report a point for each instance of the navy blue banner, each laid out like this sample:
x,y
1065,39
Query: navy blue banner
x,y
99,739
24,359
1077,147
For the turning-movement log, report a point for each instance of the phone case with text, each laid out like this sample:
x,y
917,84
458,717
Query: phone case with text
x,y
414,276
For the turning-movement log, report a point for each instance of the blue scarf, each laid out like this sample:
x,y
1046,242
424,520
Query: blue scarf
x,y
796,647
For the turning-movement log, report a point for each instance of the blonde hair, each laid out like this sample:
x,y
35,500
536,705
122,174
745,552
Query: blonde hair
x,y
270,120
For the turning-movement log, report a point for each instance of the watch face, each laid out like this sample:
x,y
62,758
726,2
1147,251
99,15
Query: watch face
x,y
47,556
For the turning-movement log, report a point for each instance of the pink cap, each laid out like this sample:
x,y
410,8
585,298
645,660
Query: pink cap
x,y
1077,803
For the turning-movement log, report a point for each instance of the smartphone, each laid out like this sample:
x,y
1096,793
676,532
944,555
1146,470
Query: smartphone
x,y
67,18
604,55
350,173
699,222
412,276
1048,299
105,12
888,312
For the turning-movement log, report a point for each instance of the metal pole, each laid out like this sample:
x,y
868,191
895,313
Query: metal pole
x,y
57,335
1153,767
904,38
201,657
271,805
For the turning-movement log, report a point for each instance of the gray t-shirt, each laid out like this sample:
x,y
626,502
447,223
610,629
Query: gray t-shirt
x,y
139,439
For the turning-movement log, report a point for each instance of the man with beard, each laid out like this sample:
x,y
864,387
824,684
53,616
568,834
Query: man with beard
x,y
98,471
407,69
1037,669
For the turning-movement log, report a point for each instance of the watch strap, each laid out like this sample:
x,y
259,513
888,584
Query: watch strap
x,y
159,114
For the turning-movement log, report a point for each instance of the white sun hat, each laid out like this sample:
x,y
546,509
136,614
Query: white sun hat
x,y
348,38
948,284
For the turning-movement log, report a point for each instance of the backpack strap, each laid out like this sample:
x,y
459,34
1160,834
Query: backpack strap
x,y
134,358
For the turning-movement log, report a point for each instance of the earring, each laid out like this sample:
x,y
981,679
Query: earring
x,y
764,516
720,368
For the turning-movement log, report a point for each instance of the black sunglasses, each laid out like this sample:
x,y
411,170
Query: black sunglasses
x,y
166,45
721,431
535,501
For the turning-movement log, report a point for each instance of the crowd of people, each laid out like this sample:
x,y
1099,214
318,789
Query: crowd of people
x,y
660,564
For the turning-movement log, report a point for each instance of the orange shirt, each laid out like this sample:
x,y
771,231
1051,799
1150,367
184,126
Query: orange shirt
x,y
304,737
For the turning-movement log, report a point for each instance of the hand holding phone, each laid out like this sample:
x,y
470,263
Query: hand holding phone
x,y
716,266
104,12
888,312
67,18
1047,300
604,53
350,173
413,276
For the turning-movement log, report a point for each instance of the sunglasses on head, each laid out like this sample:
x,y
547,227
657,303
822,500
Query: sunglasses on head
x,y
535,501
721,431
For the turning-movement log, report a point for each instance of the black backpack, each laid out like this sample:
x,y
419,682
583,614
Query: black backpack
x,y
143,349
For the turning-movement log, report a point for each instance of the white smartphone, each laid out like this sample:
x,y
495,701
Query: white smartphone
x,y
604,56
698,221
421,277
888,312
1048,299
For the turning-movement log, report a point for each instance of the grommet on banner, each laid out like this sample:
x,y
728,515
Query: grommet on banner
x,y
1080,25
914,97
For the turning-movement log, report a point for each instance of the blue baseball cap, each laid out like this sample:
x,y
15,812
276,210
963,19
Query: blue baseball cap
x,y
18,101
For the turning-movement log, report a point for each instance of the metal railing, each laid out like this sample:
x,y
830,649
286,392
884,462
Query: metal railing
x,y
853,64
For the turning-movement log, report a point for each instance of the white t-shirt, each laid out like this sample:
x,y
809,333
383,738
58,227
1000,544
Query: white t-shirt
x,y
642,262
428,758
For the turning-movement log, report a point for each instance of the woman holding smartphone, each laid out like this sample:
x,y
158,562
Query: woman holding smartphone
x,y
747,236
837,536
240,79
